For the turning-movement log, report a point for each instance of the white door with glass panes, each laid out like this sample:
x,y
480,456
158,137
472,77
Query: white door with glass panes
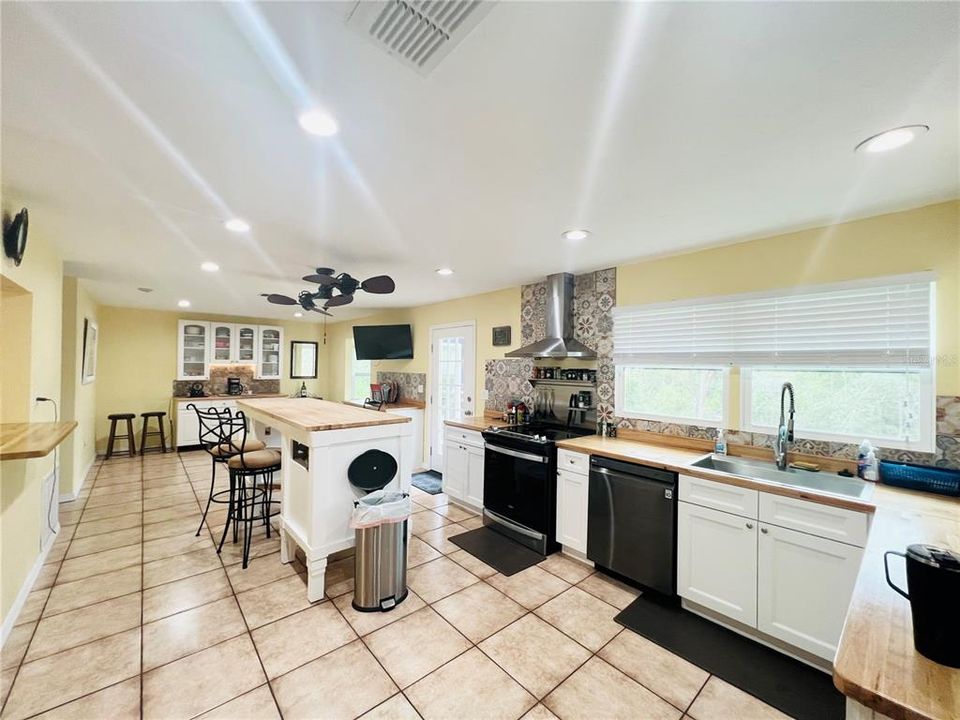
x,y
452,381
246,343
270,352
223,336
193,350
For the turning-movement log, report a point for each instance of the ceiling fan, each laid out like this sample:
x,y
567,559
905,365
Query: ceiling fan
x,y
343,285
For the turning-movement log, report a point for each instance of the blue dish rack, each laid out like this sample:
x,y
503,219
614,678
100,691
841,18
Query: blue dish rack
x,y
920,477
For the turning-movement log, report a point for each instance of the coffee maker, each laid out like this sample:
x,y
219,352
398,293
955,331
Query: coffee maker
x,y
233,386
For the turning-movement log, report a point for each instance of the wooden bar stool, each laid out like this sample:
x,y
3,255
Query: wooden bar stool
x,y
128,436
145,433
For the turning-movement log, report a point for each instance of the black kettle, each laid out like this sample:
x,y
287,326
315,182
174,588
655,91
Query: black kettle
x,y
933,582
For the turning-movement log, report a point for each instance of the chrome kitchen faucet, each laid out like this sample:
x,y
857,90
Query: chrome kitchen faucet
x,y
785,429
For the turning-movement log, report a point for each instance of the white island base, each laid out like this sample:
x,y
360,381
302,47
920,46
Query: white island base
x,y
319,440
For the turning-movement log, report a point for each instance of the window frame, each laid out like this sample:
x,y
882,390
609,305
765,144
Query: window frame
x,y
350,373
621,410
926,419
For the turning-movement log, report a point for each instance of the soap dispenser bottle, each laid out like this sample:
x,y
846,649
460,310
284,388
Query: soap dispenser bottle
x,y
720,446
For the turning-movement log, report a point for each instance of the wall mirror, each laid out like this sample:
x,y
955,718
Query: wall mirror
x,y
303,360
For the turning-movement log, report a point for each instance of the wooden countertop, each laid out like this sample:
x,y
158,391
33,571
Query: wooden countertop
x,y
400,405
20,441
476,422
228,397
876,662
314,415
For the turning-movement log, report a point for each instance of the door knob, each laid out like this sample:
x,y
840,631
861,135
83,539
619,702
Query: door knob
x,y
763,530
750,526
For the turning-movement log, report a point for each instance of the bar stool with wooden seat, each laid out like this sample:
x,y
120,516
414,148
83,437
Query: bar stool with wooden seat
x,y
218,439
251,484
129,437
145,432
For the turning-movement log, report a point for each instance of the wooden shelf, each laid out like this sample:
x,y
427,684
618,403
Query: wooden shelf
x,y
20,441
568,383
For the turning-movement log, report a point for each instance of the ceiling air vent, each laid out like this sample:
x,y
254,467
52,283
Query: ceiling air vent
x,y
419,33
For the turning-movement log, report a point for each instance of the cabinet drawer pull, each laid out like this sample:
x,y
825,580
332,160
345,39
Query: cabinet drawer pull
x,y
763,530
750,526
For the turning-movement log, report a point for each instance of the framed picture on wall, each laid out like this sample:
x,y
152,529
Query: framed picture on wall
x,y
89,371
501,335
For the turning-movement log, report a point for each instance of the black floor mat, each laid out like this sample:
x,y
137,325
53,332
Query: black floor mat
x,y
787,684
499,552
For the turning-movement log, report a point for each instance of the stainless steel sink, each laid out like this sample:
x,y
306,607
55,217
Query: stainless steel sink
x,y
803,479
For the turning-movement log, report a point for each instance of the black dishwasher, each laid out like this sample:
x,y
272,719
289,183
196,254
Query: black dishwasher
x,y
632,522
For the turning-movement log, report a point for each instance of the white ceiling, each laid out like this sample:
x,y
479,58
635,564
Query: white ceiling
x,y
132,130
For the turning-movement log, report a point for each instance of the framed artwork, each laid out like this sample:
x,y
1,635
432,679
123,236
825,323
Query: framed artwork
x,y
88,372
501,335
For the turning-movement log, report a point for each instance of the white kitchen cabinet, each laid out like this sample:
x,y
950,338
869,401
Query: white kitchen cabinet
x,y
474,476
246,343
269,352
188,426
416,429
223,342
463,465
572,508
804,584
717,561
193,350
455,469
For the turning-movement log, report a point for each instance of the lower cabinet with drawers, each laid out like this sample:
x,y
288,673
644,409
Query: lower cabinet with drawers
x,y
782,565
463,465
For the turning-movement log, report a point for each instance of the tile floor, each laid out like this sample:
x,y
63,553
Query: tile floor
x,y
133,616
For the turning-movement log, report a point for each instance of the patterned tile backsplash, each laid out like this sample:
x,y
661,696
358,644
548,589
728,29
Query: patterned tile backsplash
x,y
412,385
217,384
507,379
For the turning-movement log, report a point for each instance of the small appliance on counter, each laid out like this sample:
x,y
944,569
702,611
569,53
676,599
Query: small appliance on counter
x,y
933,589
234,386
196,390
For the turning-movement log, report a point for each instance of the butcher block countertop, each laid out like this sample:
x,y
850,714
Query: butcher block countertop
x,y
876,662
21,441
476,422
314,415
228,397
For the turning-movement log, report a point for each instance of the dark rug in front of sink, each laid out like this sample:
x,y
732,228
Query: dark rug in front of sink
x,y
787,684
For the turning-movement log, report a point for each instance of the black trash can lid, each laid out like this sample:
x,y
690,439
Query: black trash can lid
x,y
372,470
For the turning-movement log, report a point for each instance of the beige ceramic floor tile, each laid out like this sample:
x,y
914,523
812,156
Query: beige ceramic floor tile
x,y
438,578
531,587
573,571
600,690
32,606
58,551
396,708
15,646
174,512
70,596
454,513
97,527
585,618
6,682
273,601
60,678
202,681
260,545
471,685
111,511
266,569
440,538
177,567
117,702
609,590
473,523
180,496
535,654
99,563
418,552
339,578
426,520
180,526
127,496
154,492
722,700
257,704
61,632
176,636
430,501
107,541
175,545
479,611
539,712
300,638
669,676
473,564
345,683
415,646
365,623
191,592
118,489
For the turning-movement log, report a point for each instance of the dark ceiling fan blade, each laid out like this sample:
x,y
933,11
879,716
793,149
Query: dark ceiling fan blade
x,y
339,300
379,284
279,299
322,311
324,280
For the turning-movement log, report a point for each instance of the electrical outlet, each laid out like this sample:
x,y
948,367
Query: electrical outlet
x,y
419,388
485,395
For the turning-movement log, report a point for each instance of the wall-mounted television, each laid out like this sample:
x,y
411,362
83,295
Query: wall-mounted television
x,y
383,342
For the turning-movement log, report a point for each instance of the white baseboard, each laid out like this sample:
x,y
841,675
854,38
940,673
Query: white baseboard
x,y
11,619
69,497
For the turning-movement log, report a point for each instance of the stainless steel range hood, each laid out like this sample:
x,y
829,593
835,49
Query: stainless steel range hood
x,y
559,342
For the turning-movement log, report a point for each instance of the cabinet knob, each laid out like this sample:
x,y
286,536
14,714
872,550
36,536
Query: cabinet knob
x,y
763,530
750,526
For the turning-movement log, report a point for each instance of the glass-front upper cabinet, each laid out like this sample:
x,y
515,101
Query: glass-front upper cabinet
x,y
270,361
246,343
224,338
193,352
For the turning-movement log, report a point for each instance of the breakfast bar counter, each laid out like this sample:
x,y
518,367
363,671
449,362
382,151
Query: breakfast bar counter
x,y
319,440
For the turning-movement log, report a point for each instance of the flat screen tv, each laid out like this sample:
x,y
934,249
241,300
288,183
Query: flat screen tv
x,y
383,342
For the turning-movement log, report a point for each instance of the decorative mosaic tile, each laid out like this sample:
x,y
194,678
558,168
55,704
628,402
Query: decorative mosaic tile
x,y
948,415
412,385
949,447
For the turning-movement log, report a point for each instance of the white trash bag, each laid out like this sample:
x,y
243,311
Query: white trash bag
x,y
380,507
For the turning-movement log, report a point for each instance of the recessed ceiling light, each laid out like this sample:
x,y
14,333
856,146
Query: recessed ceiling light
x,y
209,266
444,271
298,314
318,122
576,234
183,303
891,139
237,225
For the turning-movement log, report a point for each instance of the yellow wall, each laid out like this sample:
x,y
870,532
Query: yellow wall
x,y
927,238
137,361
20,484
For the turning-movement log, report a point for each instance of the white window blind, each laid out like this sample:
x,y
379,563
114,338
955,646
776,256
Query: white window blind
x,y
885,322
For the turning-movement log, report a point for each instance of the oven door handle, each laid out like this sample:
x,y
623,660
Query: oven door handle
x,y
517,453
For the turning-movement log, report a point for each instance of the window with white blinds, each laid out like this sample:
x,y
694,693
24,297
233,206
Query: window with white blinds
x,y
885,322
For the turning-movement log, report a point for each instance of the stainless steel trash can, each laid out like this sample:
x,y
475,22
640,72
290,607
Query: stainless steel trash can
x,y
380,563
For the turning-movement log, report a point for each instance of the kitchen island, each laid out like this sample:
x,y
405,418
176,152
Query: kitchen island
x,y
318,441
